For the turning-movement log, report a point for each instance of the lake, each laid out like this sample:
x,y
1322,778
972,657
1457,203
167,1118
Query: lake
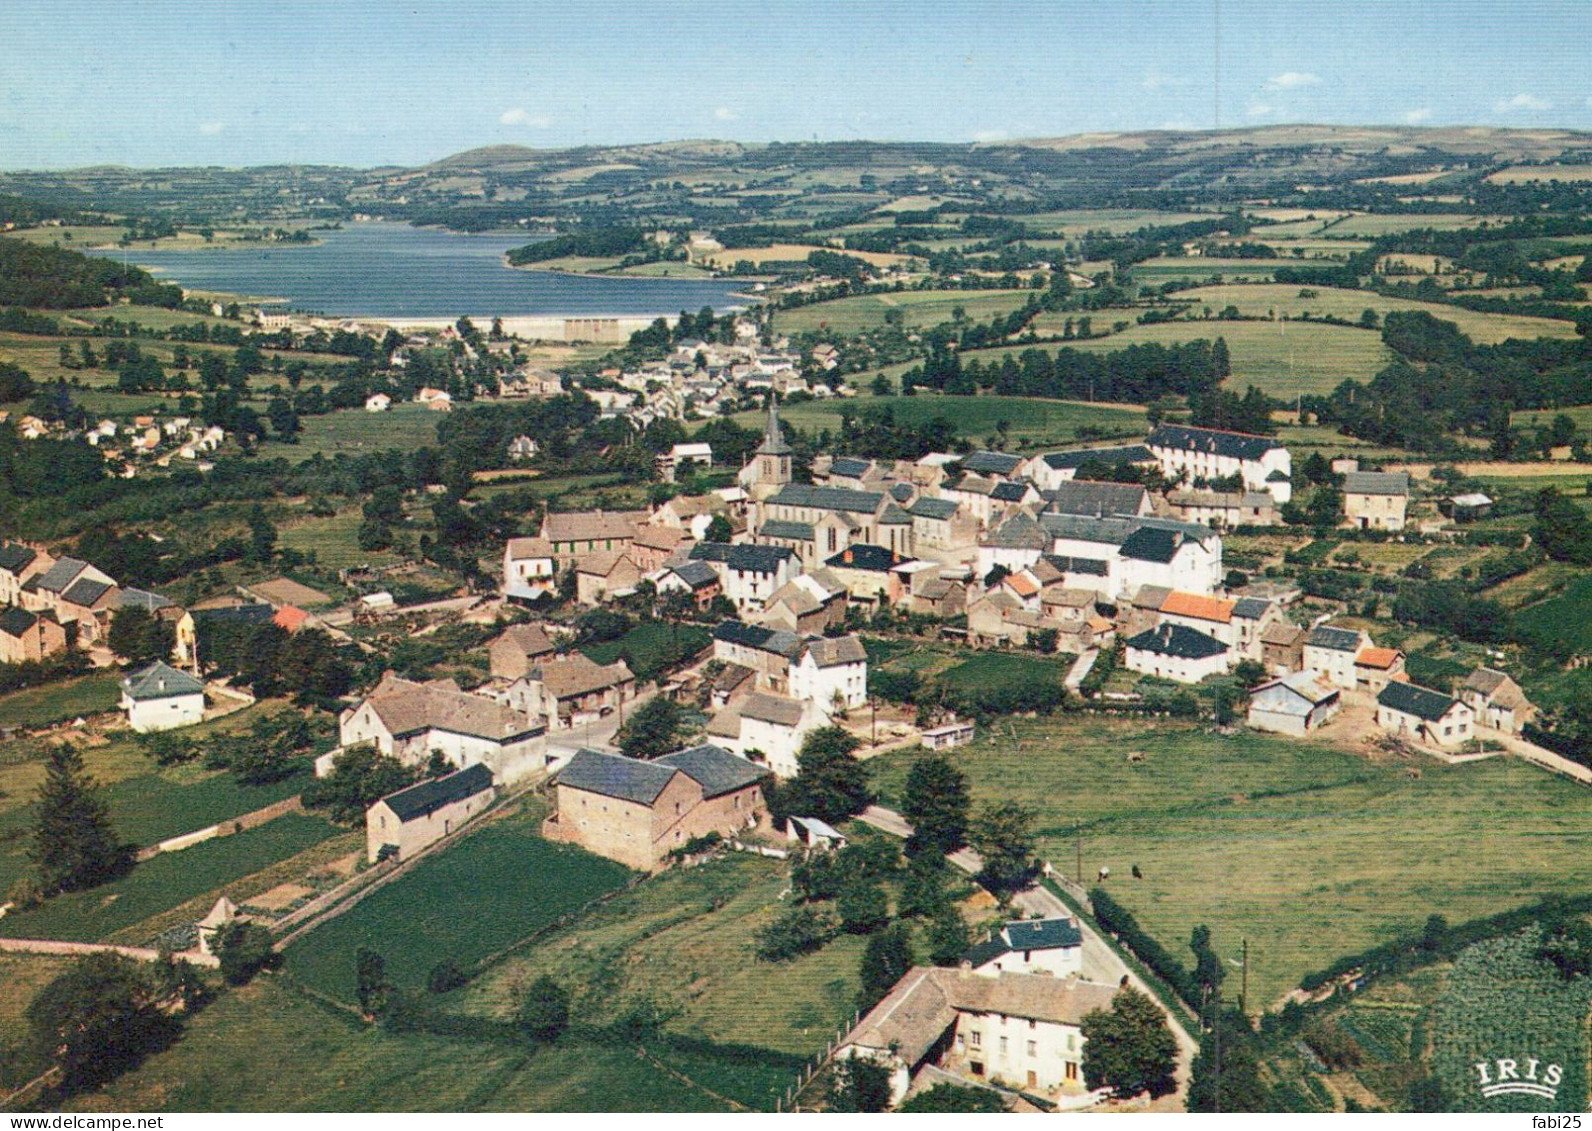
x,y
384,270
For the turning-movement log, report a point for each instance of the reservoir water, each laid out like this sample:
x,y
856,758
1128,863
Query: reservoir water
x,y
385,270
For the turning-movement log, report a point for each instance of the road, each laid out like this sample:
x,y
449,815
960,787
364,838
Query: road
x,y
599,734
1101,962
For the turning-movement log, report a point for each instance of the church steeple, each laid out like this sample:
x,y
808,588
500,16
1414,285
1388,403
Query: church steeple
x,y
773,436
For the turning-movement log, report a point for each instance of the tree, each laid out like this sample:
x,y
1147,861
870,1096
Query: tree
x,y
139,638
955,1099
370,981
719,529
796,932
830,783
262,535
923,890
74,846
445,977
937,801
1003,834
544,1014
652,731
244,949
101,1017
1562,529
1226,1073
949,937
862,907
861,1085
885,961
361,775
1129,1048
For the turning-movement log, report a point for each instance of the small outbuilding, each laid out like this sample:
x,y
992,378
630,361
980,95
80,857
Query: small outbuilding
x,y
402,823
159,697
1295,704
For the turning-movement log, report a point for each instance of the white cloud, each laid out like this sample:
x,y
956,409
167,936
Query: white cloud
x,y
1292,80
520,117
987,136
210,129
1258,109
1159,80
725,114
1418,115
1522,102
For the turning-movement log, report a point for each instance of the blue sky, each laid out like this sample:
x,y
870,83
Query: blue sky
x,y
225,82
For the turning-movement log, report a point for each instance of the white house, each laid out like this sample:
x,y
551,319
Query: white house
x,y
528,568
1209,454
409,721
1177,652
1029,946
1329,654
768,729
680,456
1020,1030
1294,704
1424,715
1050,471
831,672
1497,700
378,402
1376,500
159,697
748,573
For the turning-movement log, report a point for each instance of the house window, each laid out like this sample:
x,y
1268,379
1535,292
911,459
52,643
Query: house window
x,y
1003,1044
975,1039
1033,1048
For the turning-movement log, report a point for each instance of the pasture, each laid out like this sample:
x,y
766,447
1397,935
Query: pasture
x,y
1034,423
1282,842
137,903
321,1059
1283,359
61,702
333,539
1284,300
495,887
353,431
849,316
1165,268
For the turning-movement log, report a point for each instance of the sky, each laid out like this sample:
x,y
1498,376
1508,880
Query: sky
x,y
230,82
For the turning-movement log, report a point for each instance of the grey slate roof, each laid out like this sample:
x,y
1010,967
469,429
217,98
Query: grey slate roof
x,y
1132,453
901,492
781,528
875,559
893,515
775,640
15,620
143,598
60,575
257,613
695,574
1421,702
1147,544
1081,496
15,557
426,798
1335,639
850,467
932,508
829,652
1042,934
1250,608
160,681
1087,528
992,463
1020,532
1377,483
85,591
1008,492
613,775
1237,445
827,498
1094,567
715,769
1178,641
758,559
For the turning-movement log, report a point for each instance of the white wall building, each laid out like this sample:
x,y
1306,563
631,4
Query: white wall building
x,y
1208,454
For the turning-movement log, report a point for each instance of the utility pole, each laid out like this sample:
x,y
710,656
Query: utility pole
x,y
1077,832
1243,991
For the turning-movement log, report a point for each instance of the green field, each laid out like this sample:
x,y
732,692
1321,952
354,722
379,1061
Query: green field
x,y
651,646
168,880
486,893
334,540
1283,359
1165,268
1260,300
58,702
848,316
356,432
685,940
987,668
1307,851
1566,617
266,1048
1035,423
1374,226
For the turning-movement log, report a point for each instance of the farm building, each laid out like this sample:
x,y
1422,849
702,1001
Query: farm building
x,y
159,697
1497,700
1376,500
29,637
1029,946
1329,654
1375,668
519,646
948,736
1019,1028
1294,704
1424,715
638,812
1177,652
402,823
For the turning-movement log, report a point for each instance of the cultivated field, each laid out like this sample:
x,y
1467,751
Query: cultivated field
x,y
61,702
355,432
847,316
1282,842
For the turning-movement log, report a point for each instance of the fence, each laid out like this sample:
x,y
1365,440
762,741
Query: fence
x,y
813,1067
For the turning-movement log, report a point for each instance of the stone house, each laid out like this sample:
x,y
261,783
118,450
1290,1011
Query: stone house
x,y
1030,946
1376,500
517,648
1282,647
638,812
1375,668
576,689
1497,700
29,637
605,575
570,535
1329,654
403,823
1424,715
